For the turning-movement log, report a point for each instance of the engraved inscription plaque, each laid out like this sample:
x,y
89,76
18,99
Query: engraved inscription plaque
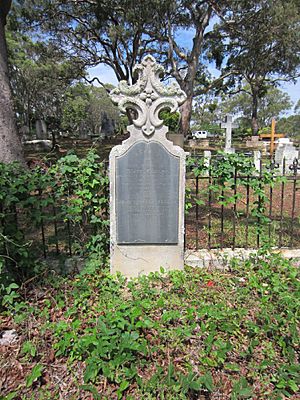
x,y
147,195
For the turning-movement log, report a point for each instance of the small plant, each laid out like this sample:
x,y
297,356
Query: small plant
x,y
10,294
35,374
29,349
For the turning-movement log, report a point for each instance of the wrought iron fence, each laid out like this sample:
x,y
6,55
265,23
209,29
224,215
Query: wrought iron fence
x,y
225,219
241,217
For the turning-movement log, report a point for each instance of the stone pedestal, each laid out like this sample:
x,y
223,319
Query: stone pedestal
x,y
41,129
147,180
176,138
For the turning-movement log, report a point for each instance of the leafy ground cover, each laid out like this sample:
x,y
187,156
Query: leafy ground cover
x,y
192,334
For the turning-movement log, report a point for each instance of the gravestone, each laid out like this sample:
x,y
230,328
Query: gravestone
x,y
257,159
107,126
207,158
24,132
285,155
147,180
38,145
228,125
41,129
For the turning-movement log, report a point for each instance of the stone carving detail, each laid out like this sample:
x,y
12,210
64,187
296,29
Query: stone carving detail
x,y
148,96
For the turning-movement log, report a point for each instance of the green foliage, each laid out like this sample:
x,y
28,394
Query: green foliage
x,y
272,104
40,74
87,108
156,337
29,349
171,120
248,29
241,390
34,375
78,188
290,126
8,293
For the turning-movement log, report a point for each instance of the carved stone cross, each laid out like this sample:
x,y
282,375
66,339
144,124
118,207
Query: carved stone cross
x,y
228,125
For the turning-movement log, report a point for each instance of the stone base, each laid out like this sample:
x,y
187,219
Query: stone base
x,y
220,259
230,150
135,260
176,138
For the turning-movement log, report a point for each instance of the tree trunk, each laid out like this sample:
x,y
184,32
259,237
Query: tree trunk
x,y
254,121
10,144
187,84
185,118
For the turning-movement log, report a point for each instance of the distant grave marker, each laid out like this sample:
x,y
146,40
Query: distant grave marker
x,y
228,125
285,155
272,136
257,160
41,129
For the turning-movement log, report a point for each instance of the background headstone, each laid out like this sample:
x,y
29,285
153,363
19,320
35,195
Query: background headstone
x,y
41,129
107,126
38,145
24,132
285,155
176,138
228,125
207,158
257,159
147,180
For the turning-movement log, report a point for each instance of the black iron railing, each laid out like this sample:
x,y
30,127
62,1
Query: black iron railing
x,y
233,216
239,215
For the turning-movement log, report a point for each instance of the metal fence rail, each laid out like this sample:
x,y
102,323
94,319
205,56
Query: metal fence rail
x,y
230,219
222,220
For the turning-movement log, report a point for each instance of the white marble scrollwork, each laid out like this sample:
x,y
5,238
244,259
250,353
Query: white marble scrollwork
x,y
148,96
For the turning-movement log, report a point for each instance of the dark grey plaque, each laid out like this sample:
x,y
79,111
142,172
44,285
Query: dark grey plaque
x,y
147,195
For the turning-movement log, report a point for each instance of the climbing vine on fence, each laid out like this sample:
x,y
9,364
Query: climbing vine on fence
x,y
226,174
73,191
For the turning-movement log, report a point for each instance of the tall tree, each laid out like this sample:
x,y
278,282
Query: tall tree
x,y
184,62
117,33
297,107
40,75
10,145
273,104
290,125
260,41
86,107
120,32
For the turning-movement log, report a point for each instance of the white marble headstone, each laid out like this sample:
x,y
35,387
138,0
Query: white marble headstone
x,y
228,125
207,160
147,179
257,159
285,155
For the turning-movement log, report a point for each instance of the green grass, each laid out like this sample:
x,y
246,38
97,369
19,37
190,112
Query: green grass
x,y
189,334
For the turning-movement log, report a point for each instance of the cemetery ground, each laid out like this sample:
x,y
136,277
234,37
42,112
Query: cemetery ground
x,y
192,334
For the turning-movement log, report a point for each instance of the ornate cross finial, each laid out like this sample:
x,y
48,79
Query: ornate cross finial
x,y
148,96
